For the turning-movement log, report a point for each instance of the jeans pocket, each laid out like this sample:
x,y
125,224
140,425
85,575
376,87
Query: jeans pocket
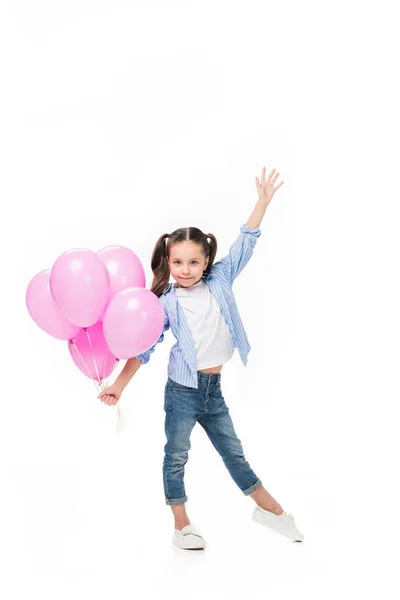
x,y
179,387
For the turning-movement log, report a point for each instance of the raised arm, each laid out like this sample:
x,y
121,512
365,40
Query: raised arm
x,y
242,248
240,252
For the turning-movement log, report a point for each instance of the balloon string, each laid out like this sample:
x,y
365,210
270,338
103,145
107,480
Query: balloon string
x,y
94,358
90,375
120,419
112,371
105,364
100,387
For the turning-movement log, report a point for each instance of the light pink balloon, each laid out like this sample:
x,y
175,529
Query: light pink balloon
x,y
133,322
92,353
80,284
124,268
44,311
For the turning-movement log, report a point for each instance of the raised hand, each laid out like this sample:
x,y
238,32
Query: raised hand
x,y
266,188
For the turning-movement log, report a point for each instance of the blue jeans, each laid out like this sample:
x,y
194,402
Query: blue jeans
x,y
184,407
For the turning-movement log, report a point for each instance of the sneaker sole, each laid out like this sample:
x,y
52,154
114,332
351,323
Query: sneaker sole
x,y
188,547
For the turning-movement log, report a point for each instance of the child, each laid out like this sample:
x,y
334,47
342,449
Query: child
x,y
201,311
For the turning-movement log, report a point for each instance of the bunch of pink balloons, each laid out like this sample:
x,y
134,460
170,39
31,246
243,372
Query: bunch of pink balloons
x,y
98,302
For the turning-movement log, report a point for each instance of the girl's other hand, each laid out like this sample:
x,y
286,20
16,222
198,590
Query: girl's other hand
x,y
111,394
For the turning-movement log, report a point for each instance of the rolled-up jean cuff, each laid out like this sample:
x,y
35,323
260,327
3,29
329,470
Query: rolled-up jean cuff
x,y
176,500
252,488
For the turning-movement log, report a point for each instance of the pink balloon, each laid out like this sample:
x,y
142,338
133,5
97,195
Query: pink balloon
x,y
80,285
90,348
133,322
44,311
124,268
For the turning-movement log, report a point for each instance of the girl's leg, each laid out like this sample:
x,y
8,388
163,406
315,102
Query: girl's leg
x,y
219,427
179,422
181,518
266,501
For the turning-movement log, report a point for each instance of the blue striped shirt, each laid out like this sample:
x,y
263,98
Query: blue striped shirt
x,y
182,366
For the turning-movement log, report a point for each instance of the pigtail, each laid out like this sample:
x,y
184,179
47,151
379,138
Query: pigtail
x,y
159,266
212,245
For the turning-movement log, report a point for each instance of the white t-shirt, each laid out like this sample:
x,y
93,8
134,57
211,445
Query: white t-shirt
x,y
211,336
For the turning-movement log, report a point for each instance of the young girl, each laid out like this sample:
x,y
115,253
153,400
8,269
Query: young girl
x,y
201,311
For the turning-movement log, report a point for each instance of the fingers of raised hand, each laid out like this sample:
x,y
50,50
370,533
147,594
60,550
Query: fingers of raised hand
x,y
274,178
269,176
269,183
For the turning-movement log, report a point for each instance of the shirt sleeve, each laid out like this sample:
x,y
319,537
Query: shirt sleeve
x,y
240,252
144,357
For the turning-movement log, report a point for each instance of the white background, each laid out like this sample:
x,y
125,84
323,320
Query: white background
x,y
121,121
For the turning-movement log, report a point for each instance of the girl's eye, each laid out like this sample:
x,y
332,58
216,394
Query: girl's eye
x,y
177,261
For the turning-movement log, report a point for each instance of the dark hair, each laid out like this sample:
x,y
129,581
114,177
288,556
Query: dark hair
x,y
159,259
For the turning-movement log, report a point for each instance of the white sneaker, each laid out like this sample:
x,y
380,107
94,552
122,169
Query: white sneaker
x,y
188,538
282,523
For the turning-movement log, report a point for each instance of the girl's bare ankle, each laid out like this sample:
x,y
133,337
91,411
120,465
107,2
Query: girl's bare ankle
x,y
277,510
180,516
181,524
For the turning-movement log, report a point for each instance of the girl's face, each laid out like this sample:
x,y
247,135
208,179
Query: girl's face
x,y
186,263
